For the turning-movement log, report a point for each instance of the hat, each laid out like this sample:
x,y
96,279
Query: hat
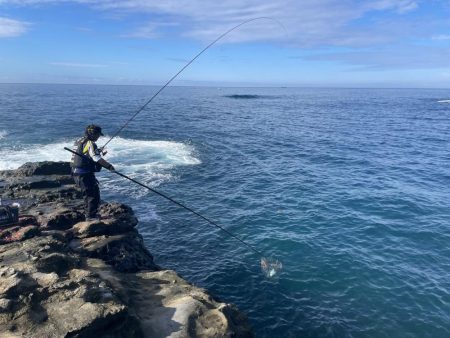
x,y
94,129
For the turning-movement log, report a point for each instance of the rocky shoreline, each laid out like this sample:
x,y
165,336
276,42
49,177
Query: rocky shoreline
x,y
63,277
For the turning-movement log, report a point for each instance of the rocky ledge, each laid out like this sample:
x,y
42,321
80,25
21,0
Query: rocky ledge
x,y
63,277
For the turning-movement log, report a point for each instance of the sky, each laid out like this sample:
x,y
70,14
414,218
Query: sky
x,y
323,43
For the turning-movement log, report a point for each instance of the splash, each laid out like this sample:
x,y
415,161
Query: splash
x,y
151,161
3,134
271,267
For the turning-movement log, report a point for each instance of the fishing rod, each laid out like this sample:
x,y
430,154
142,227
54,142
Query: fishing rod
x,y
182,69
173,201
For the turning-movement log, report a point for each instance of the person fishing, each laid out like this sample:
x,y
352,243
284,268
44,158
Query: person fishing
x,y
84,168
270,267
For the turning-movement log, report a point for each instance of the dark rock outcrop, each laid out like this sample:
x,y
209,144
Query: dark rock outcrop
x,y
63,277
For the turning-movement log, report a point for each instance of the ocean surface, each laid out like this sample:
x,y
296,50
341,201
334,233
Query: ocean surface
x,y
349,188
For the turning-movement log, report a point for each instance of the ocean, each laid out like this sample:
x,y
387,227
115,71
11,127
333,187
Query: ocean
x,y
348,188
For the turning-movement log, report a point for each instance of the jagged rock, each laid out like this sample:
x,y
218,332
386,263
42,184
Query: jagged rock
x,y
61,219
111,210
14,283
27,220
103,227
18,233
45,279
125,252
43,168
63,277
166,305
57,262
110,226
25,232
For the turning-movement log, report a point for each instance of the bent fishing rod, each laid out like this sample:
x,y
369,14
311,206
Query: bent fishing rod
x,y
182,69
173,201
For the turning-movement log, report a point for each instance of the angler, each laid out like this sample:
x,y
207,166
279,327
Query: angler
x,y
269,266
84,169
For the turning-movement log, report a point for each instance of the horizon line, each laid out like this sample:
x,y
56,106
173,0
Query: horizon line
x,y
227,85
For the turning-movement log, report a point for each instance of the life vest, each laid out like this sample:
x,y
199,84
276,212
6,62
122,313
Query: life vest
x,y
81,146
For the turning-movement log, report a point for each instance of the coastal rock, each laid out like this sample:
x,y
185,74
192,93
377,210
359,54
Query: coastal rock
x,y
126,252
43,169
61,276
60,218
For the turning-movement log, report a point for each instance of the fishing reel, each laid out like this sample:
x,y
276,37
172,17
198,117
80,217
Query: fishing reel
x,y
102,151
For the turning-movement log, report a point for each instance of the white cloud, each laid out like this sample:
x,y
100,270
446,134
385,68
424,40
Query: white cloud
x,y
308,23
148,31
441,37
78,65
12,28
401,6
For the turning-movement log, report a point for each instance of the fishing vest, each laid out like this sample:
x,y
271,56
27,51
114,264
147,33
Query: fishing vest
x,y
81,146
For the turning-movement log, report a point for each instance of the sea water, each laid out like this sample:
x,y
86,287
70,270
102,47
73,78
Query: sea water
x,y
348,188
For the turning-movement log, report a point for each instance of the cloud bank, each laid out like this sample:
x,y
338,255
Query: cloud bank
x,y
308,22
369,34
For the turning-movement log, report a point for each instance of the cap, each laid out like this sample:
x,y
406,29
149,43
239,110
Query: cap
x,y
94,129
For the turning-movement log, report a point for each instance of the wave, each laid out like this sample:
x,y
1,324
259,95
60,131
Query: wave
x,y
444,101
150,161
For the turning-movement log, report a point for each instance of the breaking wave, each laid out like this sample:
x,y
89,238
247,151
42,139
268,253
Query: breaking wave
x,y
150,161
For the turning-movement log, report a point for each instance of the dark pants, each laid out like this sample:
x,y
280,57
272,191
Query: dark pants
x,y
91,193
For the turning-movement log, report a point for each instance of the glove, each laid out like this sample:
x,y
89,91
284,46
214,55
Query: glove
x,y
111,168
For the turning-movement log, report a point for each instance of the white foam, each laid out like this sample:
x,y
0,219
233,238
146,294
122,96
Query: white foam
x,y
3,134
444,101
144,155
152,162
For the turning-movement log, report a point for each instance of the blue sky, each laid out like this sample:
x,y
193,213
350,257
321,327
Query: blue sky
x,y
372,43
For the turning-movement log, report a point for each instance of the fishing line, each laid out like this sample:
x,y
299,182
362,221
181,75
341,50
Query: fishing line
x,y
182,69
269,266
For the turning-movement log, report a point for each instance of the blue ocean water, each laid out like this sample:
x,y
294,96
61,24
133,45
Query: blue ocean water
x,y
349,188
